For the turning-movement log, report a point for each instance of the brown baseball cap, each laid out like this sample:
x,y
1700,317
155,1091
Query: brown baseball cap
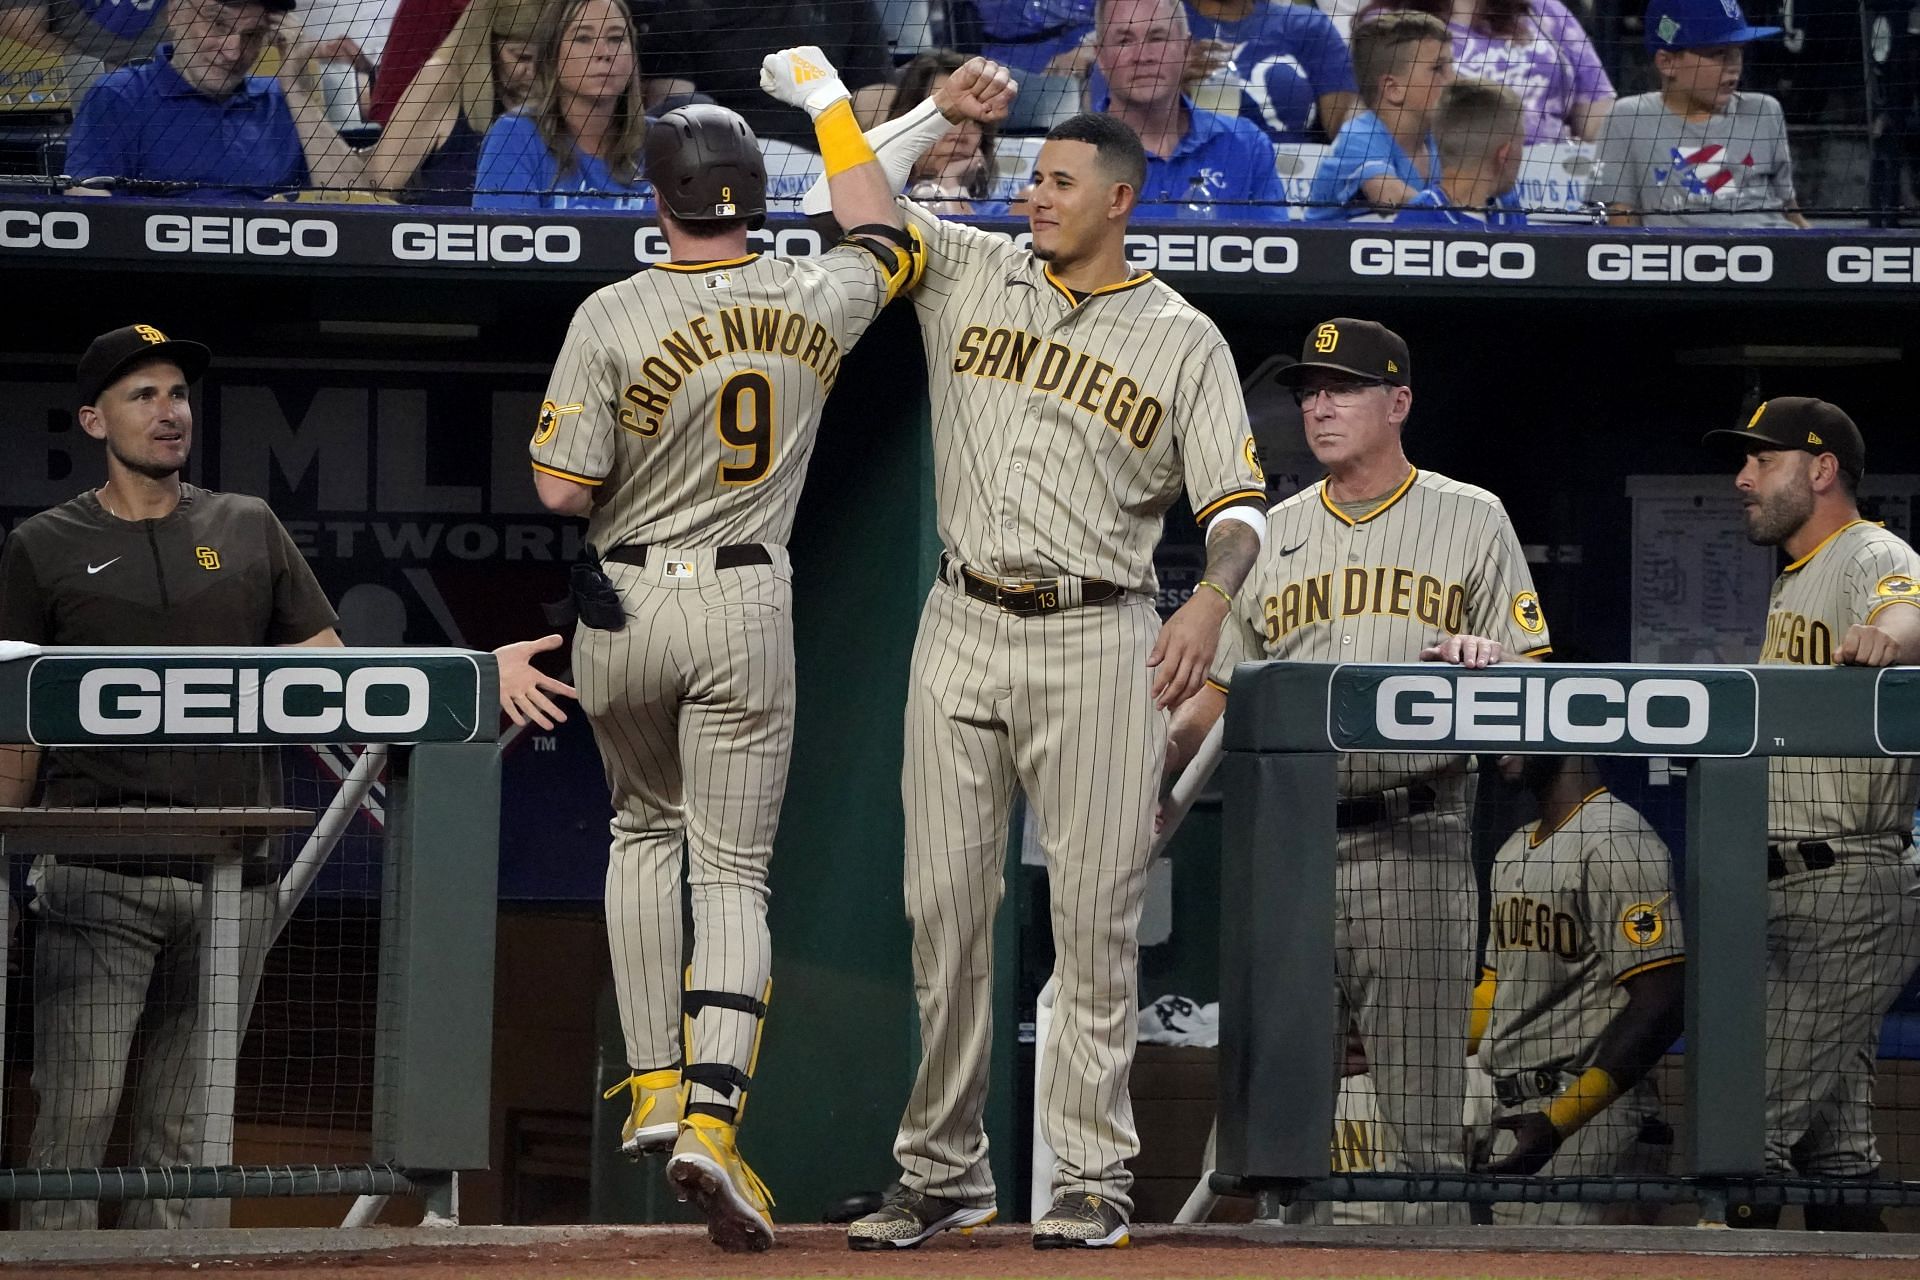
x,y
1800,422
112,354
1362,348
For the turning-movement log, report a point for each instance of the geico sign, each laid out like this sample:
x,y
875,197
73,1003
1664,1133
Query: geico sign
x,y
1202,251
261,237
1457,259
1881,264
1681,263
1577,710
787,242
31,229
466,242
131,701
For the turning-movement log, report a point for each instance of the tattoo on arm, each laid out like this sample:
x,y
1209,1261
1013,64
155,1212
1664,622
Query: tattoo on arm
x,y
1231,551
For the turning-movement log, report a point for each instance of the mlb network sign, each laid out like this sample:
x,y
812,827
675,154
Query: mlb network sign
x,y
144,700
1523,708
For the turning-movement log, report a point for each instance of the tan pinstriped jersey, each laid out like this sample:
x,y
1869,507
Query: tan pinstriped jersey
x,y
1064,430
1858,571
1575,914
1434,558
690,395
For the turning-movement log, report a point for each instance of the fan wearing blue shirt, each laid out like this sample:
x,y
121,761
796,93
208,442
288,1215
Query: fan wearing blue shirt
x,y
1199,164
576,142
1299,79
1481,130
1028,34
193,116
1386,155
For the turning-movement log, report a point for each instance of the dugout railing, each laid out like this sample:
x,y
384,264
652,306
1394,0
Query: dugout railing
x,y
1287,723
424,722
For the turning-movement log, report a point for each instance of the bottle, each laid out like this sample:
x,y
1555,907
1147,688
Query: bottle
x,y
1198,202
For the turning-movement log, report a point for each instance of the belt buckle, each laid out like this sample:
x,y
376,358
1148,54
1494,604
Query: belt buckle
x,y
1028,599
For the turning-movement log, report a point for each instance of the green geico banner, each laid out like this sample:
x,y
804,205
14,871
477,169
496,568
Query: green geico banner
x,y
305,696
1631,711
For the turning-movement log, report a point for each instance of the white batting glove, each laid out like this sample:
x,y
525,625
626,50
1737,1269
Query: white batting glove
x,y
802,77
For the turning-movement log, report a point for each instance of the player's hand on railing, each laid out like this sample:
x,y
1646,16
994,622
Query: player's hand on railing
x,y
981,91
1535,1142
524,687
1866,645
802,77
1472,652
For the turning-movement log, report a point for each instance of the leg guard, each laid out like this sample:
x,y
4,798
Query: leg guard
x,y
705,1067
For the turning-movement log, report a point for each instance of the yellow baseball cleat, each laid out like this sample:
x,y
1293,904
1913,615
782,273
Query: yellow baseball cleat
x,y
654,1120
707,1169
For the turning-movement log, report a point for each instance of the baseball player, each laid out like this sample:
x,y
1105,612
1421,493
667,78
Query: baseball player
x,y
1073,398
1586,967
679,419
1383,562
1843,926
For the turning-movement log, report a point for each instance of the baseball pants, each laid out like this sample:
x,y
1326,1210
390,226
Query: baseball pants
x,y
1624,1141
692,707
1841,943
1404,964
119,956
1061,706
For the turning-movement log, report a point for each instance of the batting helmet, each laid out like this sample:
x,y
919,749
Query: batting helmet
x,y
705,166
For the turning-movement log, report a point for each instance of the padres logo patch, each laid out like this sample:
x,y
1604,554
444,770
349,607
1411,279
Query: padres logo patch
x,y
1526,612
1754,421
207,557
1896,586
550,415
1252,455
1642,924
1326,338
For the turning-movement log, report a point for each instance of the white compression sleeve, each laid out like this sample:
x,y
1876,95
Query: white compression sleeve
x,y
897,144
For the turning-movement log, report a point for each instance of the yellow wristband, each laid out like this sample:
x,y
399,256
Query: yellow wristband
x,y
1584,1099
842,145
1224,593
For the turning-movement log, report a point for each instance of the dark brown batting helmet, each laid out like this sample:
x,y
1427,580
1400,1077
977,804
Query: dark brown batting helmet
x,y
705,166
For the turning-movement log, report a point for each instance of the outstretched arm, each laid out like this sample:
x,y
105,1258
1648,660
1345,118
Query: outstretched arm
x,y
802,77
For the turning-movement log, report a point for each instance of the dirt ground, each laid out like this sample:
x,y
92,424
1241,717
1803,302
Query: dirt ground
x,y
990,1254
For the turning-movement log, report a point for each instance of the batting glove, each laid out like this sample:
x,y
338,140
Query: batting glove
x,y
802,77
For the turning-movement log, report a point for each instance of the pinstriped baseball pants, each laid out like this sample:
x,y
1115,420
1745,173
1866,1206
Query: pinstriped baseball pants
x,y
1061,706
692,707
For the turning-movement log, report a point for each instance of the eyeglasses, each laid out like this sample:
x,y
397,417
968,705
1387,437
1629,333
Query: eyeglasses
x,y
1343,395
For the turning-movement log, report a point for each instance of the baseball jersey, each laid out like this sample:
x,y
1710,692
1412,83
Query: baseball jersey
x,y
1857,572
690,395
1064,426
1379,582
1576,912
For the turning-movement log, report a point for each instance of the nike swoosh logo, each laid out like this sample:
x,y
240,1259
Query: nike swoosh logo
x,y
1287,551
95,568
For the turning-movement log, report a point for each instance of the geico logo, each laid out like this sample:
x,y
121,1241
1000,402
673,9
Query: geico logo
x,y
1882,264
788,242
128,701
467,242
27,229
1458,259
1589,710
1681,263
1226,253
253,237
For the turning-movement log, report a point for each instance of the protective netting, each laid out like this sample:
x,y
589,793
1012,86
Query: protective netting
x,y
1682,113
161,1021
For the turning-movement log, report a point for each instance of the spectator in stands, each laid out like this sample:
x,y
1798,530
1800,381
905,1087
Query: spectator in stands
x,y
1537,48
954,177
1480,129
718,45
1299,81
118,950
1051,36
1198,163
1697,152
193,120
1386,154
576,141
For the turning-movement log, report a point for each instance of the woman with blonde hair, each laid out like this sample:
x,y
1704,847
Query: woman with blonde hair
x,y
576,141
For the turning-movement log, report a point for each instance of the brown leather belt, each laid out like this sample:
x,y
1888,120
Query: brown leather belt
x,y
735,556
1029,599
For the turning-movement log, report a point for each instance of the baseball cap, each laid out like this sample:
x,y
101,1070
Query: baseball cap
x,y
1359,347
1800,422
1689,24
111,354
